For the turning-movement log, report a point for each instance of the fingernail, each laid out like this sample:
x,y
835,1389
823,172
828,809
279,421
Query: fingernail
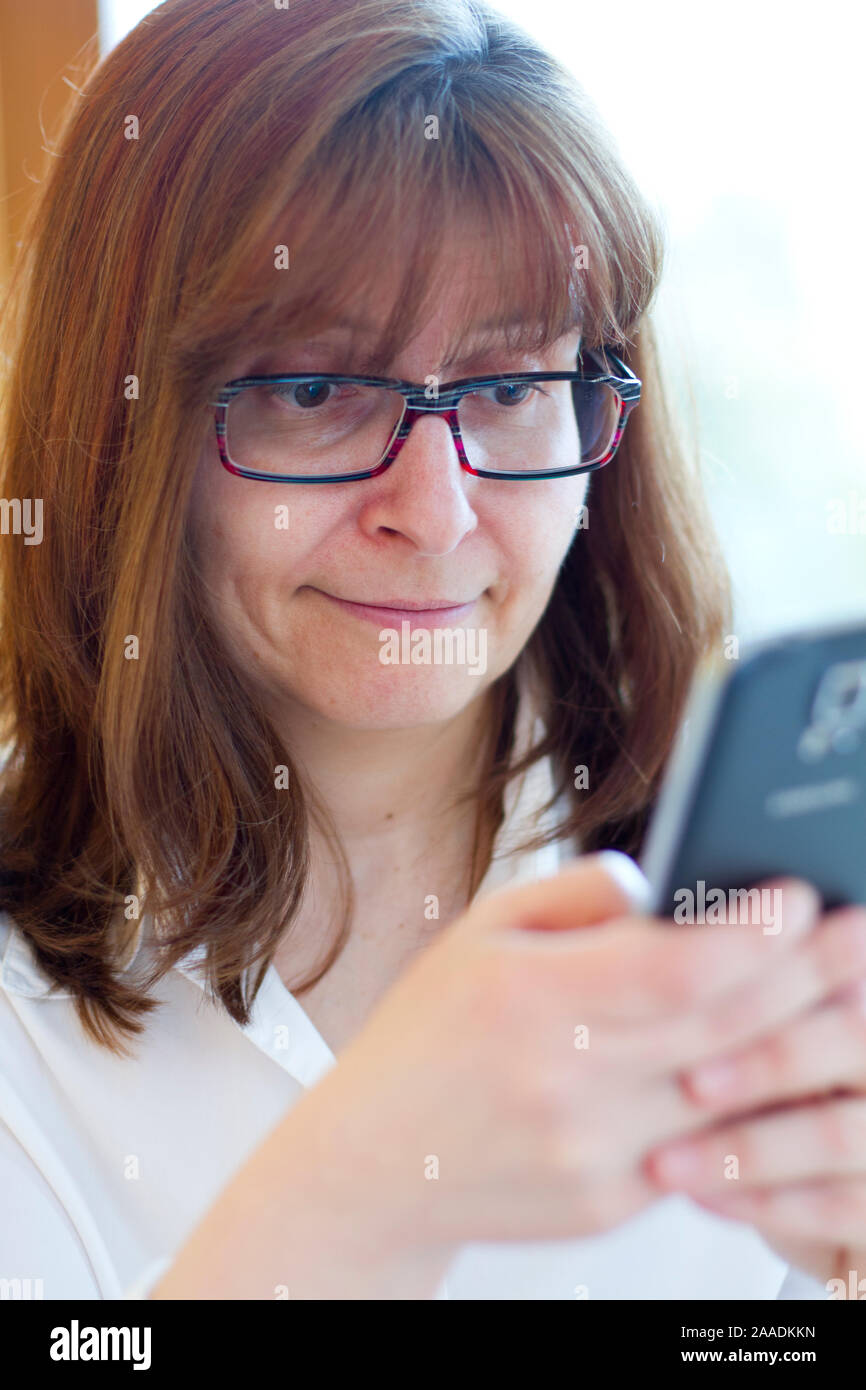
x,y
629,877
801,904
713,1078
856,995
677,1163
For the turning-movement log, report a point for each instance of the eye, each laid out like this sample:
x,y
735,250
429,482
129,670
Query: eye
x,y
305,394
512,393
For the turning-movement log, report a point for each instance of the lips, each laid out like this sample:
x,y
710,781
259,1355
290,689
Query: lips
x,y
410,605
405,610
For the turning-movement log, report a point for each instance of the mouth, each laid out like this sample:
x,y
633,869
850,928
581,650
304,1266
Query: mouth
x,y
426,613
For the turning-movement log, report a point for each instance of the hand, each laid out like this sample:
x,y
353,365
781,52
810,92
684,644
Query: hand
x,y
800,1137
465,1108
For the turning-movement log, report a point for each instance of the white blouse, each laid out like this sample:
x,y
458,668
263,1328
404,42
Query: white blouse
x,y
107,1165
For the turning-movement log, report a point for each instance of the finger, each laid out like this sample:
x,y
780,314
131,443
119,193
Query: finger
x,y
820,1050
800,979
832,1211
590,890
853,994
613,1130
821,1139
636,969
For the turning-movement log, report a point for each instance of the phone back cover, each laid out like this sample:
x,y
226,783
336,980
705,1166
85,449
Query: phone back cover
x,y
759,809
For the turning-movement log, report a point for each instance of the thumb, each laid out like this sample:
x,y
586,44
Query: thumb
x,y
587,891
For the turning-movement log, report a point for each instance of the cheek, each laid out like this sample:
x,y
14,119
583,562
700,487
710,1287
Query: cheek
x,y
240,527
541,529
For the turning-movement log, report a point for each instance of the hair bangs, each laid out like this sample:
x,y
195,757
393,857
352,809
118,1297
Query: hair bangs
x,y
536,257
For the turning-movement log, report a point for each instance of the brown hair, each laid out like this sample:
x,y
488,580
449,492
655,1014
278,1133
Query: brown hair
x,y
154,257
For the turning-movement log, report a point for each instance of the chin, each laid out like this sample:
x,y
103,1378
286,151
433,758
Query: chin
x,y
398,697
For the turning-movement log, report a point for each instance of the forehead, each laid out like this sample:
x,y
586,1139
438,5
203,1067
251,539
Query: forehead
x,y
462,303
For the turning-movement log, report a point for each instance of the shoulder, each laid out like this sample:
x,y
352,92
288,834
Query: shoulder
x,y
26,1057
20,973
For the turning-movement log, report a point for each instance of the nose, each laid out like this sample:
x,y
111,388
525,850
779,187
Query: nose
x,y
424,494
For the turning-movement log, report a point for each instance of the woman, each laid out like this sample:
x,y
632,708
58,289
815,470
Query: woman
x,y
236,773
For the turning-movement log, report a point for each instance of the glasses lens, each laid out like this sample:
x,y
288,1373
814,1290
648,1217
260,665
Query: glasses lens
x,y
597,408
538,426
311,428
317,428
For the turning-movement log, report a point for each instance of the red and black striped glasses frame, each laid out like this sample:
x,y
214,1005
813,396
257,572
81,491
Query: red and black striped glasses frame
x,y
604,367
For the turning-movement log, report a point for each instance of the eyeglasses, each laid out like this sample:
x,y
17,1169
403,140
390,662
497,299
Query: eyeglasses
x,y
325,427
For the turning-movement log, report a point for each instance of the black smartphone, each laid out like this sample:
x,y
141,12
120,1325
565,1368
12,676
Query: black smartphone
x,y
767,777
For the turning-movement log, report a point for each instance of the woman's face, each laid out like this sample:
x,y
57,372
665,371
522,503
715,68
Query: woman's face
x,y
423,531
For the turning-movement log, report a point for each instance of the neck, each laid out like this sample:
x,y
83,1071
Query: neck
x,y
390,797
385,786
